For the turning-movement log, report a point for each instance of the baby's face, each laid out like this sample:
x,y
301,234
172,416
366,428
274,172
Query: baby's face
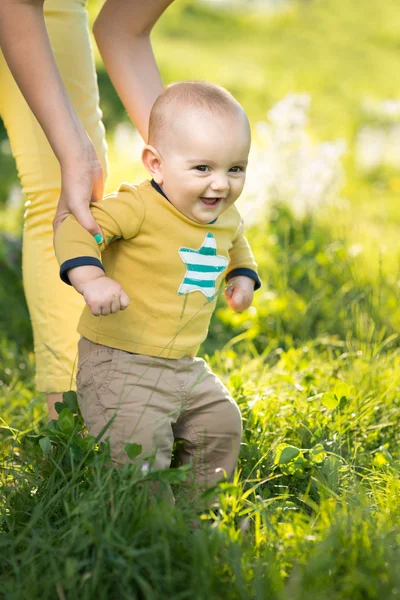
x,y
204,160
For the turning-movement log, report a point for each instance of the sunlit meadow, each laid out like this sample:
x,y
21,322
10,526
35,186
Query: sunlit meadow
x,y
313,509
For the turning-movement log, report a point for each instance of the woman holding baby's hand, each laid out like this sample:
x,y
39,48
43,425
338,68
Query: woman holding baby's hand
x,y
49,104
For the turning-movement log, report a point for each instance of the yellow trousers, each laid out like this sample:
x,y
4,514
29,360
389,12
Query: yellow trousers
x,y
53,306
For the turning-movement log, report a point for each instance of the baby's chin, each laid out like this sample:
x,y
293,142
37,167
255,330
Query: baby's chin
x,y
206,213
205,218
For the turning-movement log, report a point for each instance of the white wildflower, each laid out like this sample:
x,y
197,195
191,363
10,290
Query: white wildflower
x,y
355,250
286,166
145,468
378,140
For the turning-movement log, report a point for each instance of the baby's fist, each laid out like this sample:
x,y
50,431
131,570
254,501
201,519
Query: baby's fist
x,y
105,296
239,294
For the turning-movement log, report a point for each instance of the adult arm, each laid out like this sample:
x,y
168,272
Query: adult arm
x,y
27,50
122,32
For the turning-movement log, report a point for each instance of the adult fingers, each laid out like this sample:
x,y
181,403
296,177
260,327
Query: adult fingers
x,y
80,210
83,215
80,186
61,213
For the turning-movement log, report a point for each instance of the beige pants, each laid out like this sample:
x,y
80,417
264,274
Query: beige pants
x,y
54,307
155,401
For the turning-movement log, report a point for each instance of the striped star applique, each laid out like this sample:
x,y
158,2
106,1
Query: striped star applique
x,y
202,268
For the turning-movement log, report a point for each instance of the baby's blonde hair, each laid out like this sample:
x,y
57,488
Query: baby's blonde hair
x,y
193,94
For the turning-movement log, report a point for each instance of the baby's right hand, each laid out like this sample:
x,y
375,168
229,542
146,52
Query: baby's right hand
x,y
104,296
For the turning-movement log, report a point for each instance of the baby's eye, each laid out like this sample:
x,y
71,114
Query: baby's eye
x,y
202,168
237,169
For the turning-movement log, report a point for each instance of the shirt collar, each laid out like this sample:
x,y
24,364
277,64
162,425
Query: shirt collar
x,y
158,189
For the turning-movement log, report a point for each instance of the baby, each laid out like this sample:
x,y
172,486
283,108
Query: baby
x,y
150,285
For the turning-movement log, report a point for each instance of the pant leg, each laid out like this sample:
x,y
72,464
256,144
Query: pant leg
x,y
210,426
135,395
54,307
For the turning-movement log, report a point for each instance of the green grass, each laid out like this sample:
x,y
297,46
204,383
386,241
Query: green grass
x,y
314,509
321,519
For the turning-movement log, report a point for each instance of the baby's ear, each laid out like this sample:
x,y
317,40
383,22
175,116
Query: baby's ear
x,y
152,161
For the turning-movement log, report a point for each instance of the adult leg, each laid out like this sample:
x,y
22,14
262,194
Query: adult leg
x,y
54,307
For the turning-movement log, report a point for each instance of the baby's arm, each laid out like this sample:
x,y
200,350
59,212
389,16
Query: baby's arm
x,y
103,295
120,216
239,293
242,276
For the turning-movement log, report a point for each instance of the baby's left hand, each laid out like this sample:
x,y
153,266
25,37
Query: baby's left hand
x,y
239,294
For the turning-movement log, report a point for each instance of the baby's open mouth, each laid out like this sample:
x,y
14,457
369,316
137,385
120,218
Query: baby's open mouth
x,y
212,202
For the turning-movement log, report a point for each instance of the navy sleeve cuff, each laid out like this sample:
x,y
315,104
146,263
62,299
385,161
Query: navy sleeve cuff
x,y
247,273
80,261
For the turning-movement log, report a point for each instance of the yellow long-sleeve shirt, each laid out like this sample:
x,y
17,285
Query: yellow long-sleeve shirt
x,y
170,267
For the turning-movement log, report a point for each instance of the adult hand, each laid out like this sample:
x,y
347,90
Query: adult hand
x,y
81,183
239,293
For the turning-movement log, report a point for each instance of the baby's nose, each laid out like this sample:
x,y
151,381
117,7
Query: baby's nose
x,y
220,183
